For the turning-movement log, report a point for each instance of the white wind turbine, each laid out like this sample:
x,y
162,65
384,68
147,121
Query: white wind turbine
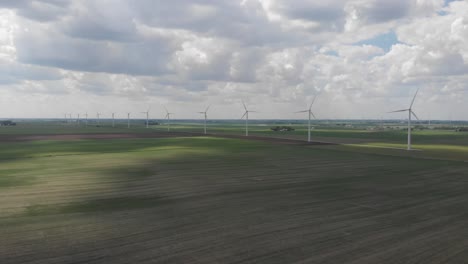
x,y
410,113
168,117
113,120
98,118
86,120
147,116
311,114
78,120
205,114
246,115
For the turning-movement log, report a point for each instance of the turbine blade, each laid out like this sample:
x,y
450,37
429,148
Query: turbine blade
x,y
414,115
414,98
313,115
166,109
207,108
244,115
305,111
311,104
245,107
403,110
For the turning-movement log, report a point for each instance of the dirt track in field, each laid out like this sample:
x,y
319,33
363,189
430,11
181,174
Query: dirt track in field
x,y
25,138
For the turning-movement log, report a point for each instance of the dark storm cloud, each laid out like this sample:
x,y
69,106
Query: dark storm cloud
x,y
383,10
14,3
16,73
100,20
54,49
227,19
326,11
41,10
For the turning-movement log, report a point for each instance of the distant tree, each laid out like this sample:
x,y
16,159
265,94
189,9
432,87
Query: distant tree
x,y
282,128
7,123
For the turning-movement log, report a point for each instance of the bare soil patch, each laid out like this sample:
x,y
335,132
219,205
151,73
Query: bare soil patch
x,y
26,138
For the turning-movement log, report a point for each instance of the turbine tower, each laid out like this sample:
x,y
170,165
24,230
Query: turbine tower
x,y
311,114
205,114
147,117
410,113
128,120
78,120
86,120
168,117
113,120
98,118
246,115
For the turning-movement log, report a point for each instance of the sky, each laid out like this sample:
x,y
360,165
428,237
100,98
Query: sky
x,y
361,58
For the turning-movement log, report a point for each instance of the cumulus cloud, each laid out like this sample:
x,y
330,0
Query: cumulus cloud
x,y
274,53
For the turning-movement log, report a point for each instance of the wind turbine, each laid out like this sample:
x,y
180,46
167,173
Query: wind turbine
x,y
98,120
311,114
86,115
78,119
147,117
410,113
113,120
128,120
205,113
168,117
246,115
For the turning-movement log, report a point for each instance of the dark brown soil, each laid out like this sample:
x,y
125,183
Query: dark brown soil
x,y
25,138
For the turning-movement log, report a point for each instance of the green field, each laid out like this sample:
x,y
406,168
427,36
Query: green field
x,y
215,200
434,143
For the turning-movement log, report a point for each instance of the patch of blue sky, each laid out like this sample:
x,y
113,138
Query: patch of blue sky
x,y
332,53
383,41
446,3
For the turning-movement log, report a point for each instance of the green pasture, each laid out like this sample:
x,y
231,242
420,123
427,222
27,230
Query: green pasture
x,y
334,134
436,143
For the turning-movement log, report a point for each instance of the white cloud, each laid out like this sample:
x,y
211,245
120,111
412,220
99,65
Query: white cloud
x,y
273,53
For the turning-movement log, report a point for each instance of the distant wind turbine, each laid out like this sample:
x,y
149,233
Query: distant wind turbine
x,y
311,114
78,119
410,113
168,117
86,116
246,115
205,114
98,118
147,116
113,120
128,120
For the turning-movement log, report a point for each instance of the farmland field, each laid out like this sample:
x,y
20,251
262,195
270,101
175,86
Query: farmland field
x,y
219,200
